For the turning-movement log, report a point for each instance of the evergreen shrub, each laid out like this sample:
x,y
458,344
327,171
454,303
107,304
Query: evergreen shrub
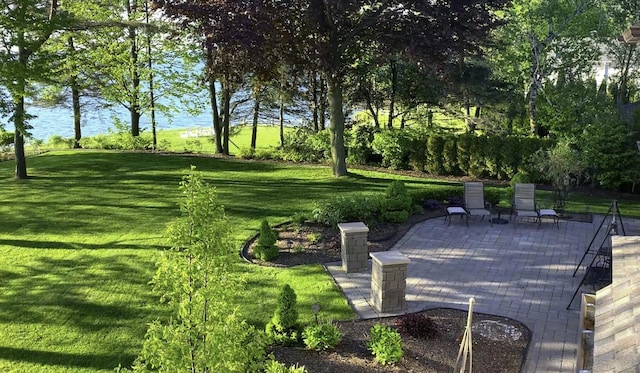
x,y
397,203
283,327
266,249
435,150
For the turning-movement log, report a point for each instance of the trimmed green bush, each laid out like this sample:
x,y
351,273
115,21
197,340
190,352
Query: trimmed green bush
x,y
6,139
266,249
442,193
395,146
385,344
305,145
283,327
341,209
450,156
397,203
435,150
493,195
58,142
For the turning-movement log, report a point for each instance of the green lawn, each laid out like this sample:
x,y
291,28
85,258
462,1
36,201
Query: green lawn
x,y
267,137
78,243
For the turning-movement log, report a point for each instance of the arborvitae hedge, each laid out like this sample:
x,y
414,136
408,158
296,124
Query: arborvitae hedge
x,y
498,157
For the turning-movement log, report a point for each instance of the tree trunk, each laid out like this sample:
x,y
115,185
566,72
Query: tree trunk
x,y
75,101
226,120
151,91
281,121
338,158
392,98
217,125
467,113
314,98
623,88
134,105
254,126
322,107
19,117
536,81
533,95
374,113
18,139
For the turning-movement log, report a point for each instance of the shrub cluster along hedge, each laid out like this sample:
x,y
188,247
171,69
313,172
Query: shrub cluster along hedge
x,y
498,157
395,206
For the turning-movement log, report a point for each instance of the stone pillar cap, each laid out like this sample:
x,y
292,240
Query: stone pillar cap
x,y
389,257
357,227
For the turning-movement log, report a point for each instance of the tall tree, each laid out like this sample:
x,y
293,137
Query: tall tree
x,y
625,57
25,27
335,33
129,57
328,35
234,44
543,38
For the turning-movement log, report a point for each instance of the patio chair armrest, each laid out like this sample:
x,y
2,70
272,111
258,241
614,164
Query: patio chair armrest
x,y
488,206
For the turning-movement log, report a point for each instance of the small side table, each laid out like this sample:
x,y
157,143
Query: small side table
x,y
459,211
548,214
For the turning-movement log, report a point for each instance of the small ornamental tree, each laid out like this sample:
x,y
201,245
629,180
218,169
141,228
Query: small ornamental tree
x,y
266,248
283,327
205,332
564,167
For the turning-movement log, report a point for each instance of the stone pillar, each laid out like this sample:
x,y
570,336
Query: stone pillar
x,y
389,281
354,247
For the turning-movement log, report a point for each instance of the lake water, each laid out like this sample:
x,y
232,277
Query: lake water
x,y
59,121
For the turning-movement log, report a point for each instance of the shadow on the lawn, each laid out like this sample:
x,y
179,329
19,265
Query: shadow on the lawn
x,y
94,361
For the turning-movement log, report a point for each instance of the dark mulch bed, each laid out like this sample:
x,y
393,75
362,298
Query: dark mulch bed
x,y
315,243
499,345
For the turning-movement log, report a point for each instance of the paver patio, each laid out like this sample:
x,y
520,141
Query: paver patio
x,y
520,271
